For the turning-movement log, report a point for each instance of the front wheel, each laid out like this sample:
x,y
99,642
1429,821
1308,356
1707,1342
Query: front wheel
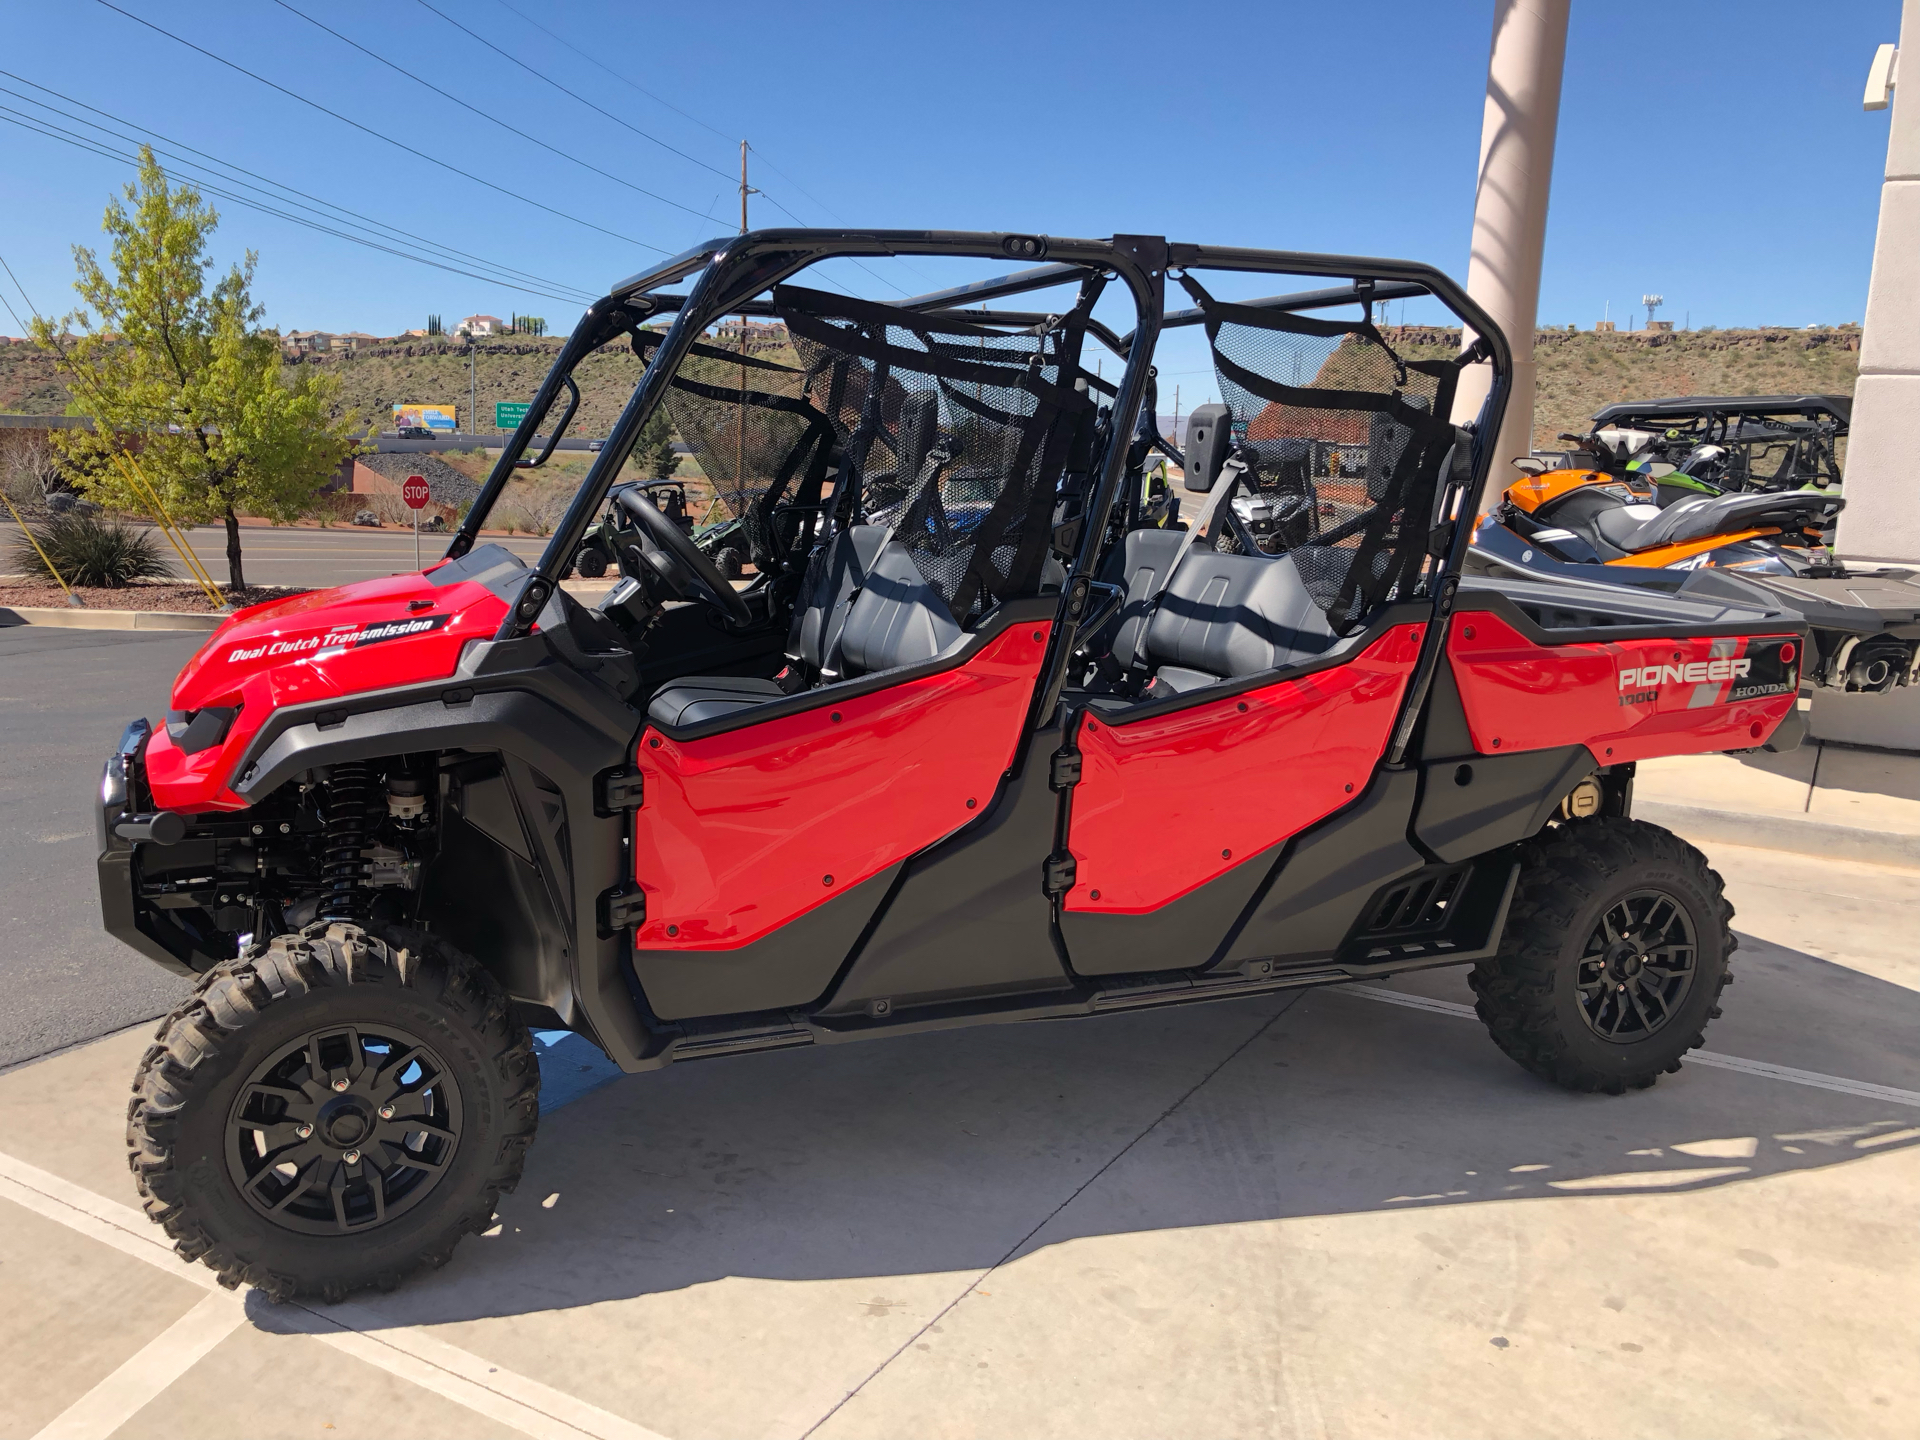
x,y
333,1111
1614,956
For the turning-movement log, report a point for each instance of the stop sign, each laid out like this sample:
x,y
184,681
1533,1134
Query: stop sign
x,y
414,492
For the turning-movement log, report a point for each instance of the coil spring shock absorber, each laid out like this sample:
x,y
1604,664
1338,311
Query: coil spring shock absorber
x,y
349,823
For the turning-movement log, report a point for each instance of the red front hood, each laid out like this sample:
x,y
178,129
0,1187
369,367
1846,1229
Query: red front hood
x,y
370,635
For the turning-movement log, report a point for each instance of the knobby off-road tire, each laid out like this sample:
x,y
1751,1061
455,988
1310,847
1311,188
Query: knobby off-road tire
x,y
1615,953
318,1029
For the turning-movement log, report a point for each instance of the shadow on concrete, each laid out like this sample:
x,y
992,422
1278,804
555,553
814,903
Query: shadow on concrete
x,y
954,1152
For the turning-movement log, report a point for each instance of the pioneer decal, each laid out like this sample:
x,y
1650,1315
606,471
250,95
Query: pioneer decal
x,y
1692,673
1766,669
340,637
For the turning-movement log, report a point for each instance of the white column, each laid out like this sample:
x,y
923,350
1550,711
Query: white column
x,y
1510,205
1882,520
1881,524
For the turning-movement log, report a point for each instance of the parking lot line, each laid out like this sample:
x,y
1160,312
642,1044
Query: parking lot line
x,y
1765,1069
163,1360
404,1351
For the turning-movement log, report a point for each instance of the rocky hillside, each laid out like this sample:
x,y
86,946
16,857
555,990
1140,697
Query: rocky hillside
x,y
1579,371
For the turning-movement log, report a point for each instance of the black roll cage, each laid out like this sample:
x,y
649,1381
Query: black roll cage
x,y
733,270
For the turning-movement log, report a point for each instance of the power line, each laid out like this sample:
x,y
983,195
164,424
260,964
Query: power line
x,y
516,60
32,309
661,99
575,94
81,142
494,119
216,161
617,120
9,304
641,89
368,130
638,88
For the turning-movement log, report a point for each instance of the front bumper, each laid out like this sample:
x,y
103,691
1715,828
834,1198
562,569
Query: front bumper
x,y
127,917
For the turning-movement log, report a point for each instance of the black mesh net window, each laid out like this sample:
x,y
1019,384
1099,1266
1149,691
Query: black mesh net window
x,y
954,435
1326,412
745,414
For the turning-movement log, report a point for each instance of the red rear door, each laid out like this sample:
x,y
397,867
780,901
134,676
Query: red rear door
x,y
1172,803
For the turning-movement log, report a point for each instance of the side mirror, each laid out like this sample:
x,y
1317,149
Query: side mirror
x,y
1530,465
1209,441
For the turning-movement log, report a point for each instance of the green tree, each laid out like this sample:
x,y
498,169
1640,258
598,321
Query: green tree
x,y
180,379
657,456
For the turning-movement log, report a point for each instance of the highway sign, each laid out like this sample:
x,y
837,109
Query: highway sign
x,y
415,492
507,414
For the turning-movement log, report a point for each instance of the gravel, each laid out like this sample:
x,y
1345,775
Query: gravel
x,y
161,596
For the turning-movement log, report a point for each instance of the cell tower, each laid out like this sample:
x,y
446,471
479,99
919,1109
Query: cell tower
x,y
1653,303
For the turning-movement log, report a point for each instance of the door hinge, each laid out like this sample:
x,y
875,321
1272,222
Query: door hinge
x,y
621,909
1066,769
1058,874
618,790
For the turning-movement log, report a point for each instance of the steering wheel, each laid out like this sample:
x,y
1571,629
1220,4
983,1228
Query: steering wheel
x,y
678,561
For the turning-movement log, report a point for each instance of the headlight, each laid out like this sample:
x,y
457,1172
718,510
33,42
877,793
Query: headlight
x,y
113,781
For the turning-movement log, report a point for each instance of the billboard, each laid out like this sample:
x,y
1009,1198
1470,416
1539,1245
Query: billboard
x,y
431,417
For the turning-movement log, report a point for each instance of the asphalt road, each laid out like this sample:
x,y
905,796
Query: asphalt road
x,y
65,696
293,555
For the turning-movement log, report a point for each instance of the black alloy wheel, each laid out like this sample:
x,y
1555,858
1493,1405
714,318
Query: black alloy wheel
x,y
332,1110
1613,957
1638,966
343,1129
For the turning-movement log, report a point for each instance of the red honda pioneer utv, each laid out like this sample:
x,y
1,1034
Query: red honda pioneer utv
x,y
980,741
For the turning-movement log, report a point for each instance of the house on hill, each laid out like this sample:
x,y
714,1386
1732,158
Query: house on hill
x,y
324,342
480,325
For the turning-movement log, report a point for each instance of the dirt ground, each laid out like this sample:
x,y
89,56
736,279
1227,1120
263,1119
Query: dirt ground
x,y
159,595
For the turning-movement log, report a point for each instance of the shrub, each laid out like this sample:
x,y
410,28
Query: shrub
x,y
92,550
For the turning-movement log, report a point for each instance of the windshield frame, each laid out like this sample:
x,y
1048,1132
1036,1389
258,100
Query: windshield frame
x,y
731,274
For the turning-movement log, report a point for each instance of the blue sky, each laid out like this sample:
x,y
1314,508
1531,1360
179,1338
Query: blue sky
x,y
1714,152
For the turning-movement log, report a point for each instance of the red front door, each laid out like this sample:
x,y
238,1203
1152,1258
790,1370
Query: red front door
x,y
745,831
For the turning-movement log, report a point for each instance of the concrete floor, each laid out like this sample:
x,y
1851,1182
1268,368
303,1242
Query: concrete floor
x,y
1313,1215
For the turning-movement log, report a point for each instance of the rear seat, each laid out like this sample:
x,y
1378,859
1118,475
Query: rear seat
x,y
1226,616
1223,617
871,610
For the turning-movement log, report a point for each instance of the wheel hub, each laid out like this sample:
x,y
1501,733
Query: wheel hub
x,y
343,1129
1625,959
345,1123
1637,966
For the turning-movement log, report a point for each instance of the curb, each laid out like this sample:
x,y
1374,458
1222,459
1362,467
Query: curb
x,y
71,619
1782,832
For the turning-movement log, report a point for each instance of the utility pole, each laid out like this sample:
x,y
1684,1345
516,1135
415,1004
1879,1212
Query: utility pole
x,y
473,387
740,427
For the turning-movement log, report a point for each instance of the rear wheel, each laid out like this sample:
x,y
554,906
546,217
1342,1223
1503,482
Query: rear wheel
x,y
1614,956
333,1111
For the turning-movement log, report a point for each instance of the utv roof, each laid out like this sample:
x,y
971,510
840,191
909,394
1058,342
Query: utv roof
x,y
1629,412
